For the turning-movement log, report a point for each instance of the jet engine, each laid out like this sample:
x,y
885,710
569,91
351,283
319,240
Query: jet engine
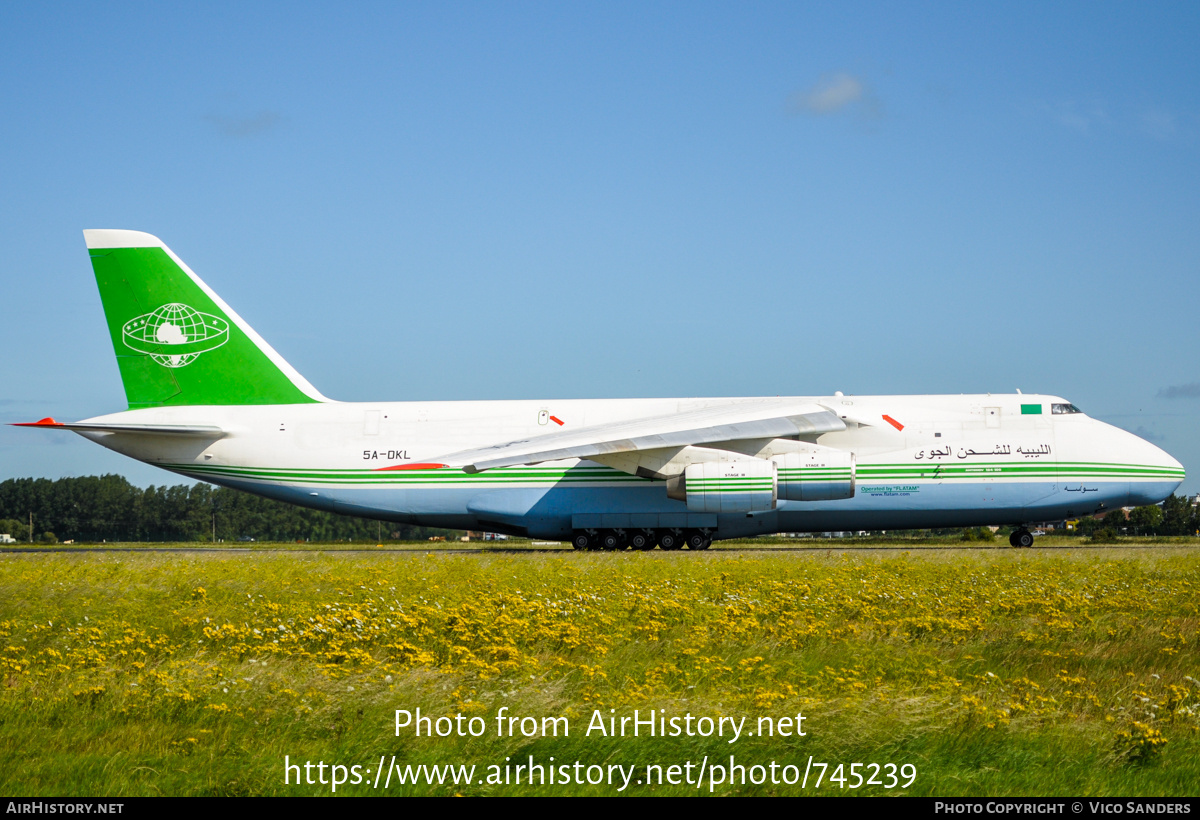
x,y
749,485
815,476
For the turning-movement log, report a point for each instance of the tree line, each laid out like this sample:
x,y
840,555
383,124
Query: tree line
x,y
1175,516
109,508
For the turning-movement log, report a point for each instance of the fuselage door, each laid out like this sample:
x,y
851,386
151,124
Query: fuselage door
x,y
371,423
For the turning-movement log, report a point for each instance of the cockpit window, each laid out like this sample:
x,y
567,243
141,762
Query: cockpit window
x,y
1060,409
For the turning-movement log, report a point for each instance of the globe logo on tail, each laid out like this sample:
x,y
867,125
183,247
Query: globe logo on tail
x,y
175,334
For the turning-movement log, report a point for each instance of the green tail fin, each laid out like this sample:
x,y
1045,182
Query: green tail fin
x,y
177,342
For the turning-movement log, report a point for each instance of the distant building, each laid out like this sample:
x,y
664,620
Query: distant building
x,y
6,538
483,536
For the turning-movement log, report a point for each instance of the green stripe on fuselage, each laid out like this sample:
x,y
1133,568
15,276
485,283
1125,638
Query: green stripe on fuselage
x,y
510,476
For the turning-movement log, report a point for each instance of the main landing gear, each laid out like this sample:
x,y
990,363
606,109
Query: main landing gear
x,y
641,539
1021,538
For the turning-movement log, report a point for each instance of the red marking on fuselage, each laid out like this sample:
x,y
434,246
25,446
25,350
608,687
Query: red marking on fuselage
x,y
46,422
893,422
557,420
411,467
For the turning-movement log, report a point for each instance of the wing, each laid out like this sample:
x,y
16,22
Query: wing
x,y
756,419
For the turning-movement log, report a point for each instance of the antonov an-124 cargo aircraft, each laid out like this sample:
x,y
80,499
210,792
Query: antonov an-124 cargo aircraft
x,y
211,400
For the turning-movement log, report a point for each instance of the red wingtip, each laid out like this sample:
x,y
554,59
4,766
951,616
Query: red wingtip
x,y
412,467
46,422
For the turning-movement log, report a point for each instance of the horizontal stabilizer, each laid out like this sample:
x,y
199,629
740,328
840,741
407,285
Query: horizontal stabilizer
x,y
204,430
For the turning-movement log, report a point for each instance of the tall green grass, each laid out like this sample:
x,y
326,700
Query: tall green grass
x,y
992,672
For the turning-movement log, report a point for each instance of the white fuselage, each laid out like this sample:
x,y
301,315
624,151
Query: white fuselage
x,y
920,461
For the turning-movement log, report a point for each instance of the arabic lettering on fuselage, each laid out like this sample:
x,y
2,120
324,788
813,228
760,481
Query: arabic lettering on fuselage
x,y
975,452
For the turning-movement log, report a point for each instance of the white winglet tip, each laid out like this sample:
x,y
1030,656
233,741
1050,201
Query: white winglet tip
x,y
111,238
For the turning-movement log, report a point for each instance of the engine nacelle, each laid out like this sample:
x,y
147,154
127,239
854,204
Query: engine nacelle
x,y
819,476
749,485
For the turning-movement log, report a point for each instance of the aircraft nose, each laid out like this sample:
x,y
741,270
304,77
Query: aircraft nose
x,y
1154,473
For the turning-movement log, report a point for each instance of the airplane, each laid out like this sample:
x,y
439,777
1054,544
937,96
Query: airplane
x,y
209,399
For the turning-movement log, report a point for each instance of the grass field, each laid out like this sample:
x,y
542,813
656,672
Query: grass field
x,y
990,672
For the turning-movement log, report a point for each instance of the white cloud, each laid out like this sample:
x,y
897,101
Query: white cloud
x,y
1180,391
1081,118
833,93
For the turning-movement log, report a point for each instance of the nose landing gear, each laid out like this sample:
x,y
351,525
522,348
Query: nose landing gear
x,y
1021,538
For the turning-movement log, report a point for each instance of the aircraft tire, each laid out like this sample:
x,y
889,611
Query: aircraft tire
x,y
669,541
582,541
611,540
696,540
1024,539
642,540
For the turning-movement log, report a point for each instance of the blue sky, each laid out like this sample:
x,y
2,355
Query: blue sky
x,y
520,200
